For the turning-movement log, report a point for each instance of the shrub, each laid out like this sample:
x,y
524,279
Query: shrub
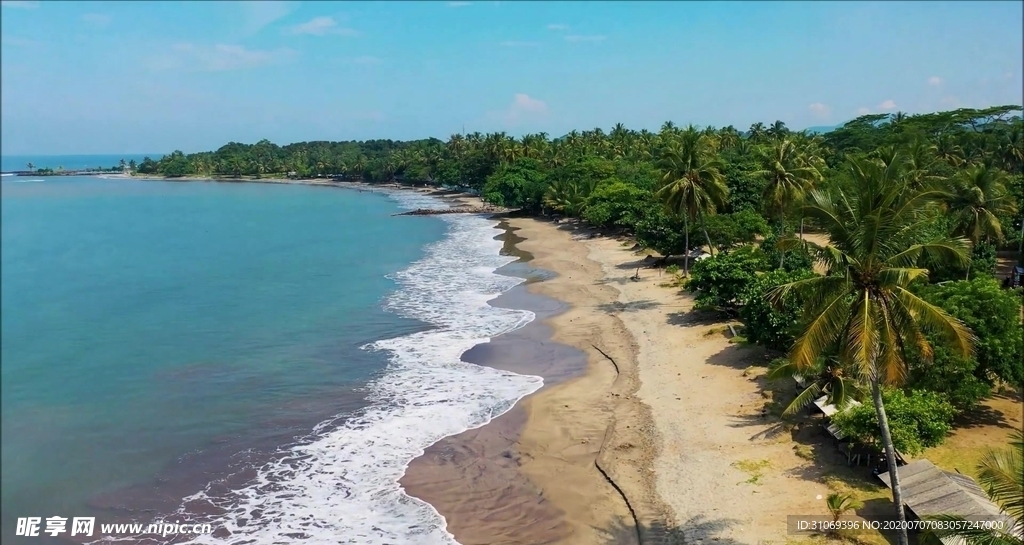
x,y
767,324
950,375
518,185
917,420
661,231
719,280
993,314
795,260
615,203
743,227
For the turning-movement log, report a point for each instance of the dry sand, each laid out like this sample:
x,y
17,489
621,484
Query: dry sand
x,y
701,431
664,427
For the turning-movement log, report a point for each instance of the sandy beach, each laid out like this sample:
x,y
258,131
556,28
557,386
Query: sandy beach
x,y
663,429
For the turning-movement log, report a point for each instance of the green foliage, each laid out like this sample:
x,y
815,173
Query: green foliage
x,y
661,231
993,314
615,203
773,326
917,420
174,165
517,185
983,260
951,376
795,260
719,280
745,187
743,227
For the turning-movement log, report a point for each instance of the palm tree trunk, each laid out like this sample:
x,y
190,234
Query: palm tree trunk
x,y
711,247
782,233
686,247
801,228
890,458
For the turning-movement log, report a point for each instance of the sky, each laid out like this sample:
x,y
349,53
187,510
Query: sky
x,y
144,77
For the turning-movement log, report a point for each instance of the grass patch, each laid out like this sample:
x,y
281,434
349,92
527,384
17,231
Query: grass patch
x,y
952,457
754,468
804,451
875,499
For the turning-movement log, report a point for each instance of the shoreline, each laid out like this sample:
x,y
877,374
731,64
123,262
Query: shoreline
x,y
593,426
649,444
578,476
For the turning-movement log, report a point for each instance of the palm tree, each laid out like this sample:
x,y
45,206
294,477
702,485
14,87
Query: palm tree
x,y
827,376
1001,474
1013,149
950,151
790,175
839,504
921,158
863,307
978,197
757,131
31,166
778,130
694,186
569,196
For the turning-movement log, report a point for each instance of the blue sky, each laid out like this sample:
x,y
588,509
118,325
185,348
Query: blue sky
x,y
131,77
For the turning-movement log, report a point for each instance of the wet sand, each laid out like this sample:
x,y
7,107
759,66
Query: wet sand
x,y
559,467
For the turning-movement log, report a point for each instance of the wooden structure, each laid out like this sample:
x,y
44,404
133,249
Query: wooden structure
x,y
1016,277
828,409
929,491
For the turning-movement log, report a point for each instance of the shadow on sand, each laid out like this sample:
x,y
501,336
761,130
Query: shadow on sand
x,y
695,530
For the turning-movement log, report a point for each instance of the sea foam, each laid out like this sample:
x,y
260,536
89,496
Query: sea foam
x,y
342,485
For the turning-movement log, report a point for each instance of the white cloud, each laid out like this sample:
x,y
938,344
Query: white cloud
x,y
459,4
322,26
935,81
558,27
519,44
863,110
523,108
820,110
257,14
97,19
887,105
26,4
582,38
220,57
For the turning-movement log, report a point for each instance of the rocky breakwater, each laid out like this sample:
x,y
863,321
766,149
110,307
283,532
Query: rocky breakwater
x,y
484,209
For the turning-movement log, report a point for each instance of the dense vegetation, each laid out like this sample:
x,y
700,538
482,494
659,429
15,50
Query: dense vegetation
x,y
867,253
743,183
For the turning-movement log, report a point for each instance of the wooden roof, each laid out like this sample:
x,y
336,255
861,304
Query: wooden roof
x,y
828,409
930,491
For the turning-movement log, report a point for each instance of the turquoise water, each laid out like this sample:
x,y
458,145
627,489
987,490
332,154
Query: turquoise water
x,y
13,163
146,321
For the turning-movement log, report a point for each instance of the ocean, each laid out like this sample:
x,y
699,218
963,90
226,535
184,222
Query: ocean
x,y
265,358
14,163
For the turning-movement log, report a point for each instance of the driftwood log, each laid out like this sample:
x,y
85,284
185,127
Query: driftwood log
x,y
453,210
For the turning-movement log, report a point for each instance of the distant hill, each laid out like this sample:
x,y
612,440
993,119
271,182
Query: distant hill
x,y
824,129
